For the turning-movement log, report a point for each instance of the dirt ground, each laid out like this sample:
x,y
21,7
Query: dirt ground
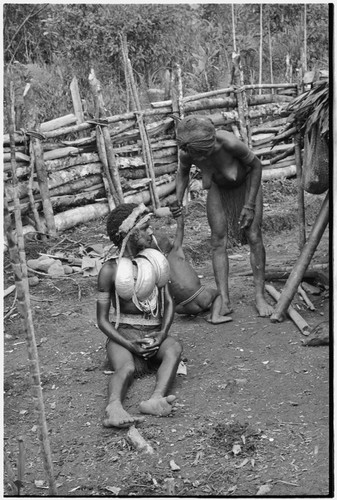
x,y
253,410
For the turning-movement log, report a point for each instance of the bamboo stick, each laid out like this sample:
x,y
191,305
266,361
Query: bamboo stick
x,y
18,261
301,324
303,261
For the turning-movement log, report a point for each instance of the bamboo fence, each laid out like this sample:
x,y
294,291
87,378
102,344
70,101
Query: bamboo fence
x,y
73,169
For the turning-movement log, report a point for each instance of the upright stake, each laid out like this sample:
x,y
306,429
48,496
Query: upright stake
x,y
302,262
31,122
241,100
300,192
146,143
101,114
77,102
19,266
261,45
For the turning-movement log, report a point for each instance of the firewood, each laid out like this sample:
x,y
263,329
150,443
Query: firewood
x,y
57,123
283,155
271,151
306,299
301,324
278,173
6,157
137,440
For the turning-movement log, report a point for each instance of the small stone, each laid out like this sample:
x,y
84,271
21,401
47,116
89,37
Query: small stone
x,y
56,269
45,264
67,269
33,281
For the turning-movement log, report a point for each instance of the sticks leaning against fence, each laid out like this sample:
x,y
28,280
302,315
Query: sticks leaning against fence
x,y
146,144
19,266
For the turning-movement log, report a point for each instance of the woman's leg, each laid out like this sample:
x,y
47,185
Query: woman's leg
x,y
121,361
159,403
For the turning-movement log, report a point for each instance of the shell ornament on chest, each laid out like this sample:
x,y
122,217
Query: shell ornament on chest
x,y
139,276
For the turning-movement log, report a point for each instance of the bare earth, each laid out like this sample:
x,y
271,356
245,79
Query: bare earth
x,y
252,410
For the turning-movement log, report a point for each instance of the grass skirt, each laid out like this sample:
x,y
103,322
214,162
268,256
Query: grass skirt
x,y
232,203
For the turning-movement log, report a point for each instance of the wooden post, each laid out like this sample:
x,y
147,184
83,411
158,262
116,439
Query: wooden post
x,y
101,114
146,144
241,99
19,266
303,262
37,219
110,191
77,103
36,145
43,185
300,192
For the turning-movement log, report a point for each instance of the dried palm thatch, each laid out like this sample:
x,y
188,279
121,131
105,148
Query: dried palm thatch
x,y
310,114
312,108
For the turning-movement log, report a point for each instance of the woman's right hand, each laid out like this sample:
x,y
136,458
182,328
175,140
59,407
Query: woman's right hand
x,y
176,209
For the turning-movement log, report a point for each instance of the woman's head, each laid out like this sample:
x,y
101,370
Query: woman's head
x,y
115,220
132,220
196,135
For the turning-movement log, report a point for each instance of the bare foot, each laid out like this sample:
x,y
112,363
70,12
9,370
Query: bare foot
x,y
118,417
217,320
263,308
161,407
220,308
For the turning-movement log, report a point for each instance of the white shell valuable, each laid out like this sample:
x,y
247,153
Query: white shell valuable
x,y
146,278
124,281
159,263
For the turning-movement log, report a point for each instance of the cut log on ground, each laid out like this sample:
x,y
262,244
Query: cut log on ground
x,y
278,173
301,324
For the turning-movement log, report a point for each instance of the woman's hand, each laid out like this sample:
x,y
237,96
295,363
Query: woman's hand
x,y
246,217
176,209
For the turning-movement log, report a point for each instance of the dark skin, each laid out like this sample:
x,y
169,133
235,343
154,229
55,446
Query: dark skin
x,y
121,352
227,166
184,281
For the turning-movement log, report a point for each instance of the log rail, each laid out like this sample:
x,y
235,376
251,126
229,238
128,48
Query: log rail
x,y
71,154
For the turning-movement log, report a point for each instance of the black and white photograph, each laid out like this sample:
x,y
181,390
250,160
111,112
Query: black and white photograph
x,y
167,248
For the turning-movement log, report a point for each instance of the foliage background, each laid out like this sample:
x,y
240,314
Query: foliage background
x,y
48,44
